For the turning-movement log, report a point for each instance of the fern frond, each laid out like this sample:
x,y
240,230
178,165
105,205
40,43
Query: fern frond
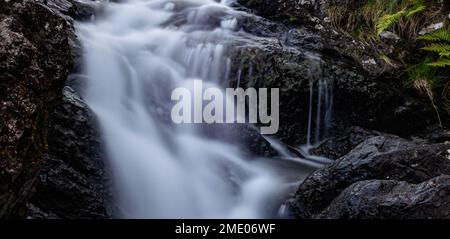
x,y
440,48
443,62
388,20
444,54
417,9
442,34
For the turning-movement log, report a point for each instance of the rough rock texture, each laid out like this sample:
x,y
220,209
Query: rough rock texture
x,y
389,199
76,9
312,15
340,145
277,9
50,158
291,61
73,182
35,55
296,45
380,157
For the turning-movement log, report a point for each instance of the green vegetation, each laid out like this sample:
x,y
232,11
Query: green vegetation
x,y
440,45
426,59
388,20
369,18
435,68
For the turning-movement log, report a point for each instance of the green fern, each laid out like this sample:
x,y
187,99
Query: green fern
x,y
440,45
388,20
440,48
435,68
417,9
442,34
442,62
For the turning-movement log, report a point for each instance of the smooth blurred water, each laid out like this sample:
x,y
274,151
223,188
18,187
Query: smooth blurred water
x,y
134,55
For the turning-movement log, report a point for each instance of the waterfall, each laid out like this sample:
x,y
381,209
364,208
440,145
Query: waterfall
x,y
134,54
320,110
320,104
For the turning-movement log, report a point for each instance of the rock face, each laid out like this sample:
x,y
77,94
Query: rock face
x,y
279,9
36,59
50,157
380,158
389,199
76,9
73,183
342,144
291,58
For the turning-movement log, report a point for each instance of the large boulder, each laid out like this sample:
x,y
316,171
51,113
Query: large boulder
x,y
389,199
36,59
75,167
342,143
381,158
50,155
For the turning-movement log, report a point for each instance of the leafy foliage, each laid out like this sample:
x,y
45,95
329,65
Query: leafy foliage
x,y
427,68
432,75
441,34
388,20
418,8
440,45
440,63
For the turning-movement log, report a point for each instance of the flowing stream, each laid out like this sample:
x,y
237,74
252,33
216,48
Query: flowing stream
x,y
134,55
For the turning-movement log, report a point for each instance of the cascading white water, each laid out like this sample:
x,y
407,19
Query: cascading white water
x,y
319,112
134,55
324,102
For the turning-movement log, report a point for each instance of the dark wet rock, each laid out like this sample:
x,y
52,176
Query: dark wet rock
x,y
313,15
288,55
389,199
367,99
433,134
77,9
260,26
265,8
49,157
375,105
299,58
341,144
243,136
250,140
73,183
287,9
381,158
35,55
